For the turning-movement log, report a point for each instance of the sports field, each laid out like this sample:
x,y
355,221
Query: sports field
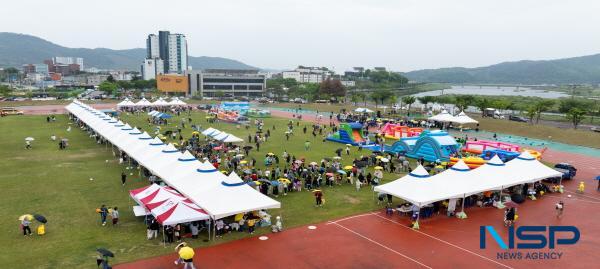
x,y
56,183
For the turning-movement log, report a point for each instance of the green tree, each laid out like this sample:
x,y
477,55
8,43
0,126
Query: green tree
x,y
409,100
576,115
482,104
425,100
108,87
354,98
5,90
110,78
219,94
393,99
463,101
542,106
530,113
333,88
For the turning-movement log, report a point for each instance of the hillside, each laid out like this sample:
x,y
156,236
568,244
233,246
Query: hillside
x,y
19,49
585,69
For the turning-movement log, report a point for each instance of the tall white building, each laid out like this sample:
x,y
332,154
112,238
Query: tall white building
x,y
152,48
151,68
69,60
177,54
170,50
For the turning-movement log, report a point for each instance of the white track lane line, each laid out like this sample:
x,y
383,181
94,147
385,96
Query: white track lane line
x,y
586,196
381,245
351,217
443,241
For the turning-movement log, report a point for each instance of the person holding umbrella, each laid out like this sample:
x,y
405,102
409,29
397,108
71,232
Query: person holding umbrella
x,y
102,258
186,256
25,222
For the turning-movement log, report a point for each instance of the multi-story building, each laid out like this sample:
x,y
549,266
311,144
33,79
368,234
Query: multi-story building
x,y
168,50
96,79
229,82
151,68
69,61
304,74
152,47
178,58
35,68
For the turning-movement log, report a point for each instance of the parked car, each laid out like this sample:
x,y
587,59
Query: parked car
x,y
517,118
5,111
568,172
204,107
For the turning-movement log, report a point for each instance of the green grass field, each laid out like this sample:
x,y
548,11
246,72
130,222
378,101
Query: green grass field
x,y
57,185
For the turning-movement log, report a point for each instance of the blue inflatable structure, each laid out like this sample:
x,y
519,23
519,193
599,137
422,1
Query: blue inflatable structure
x,y
431,145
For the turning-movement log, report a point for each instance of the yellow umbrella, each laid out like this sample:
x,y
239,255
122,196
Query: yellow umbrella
x,y
348,167
224,171
285,180
208,117
257,183
186,253
378,168
195,133
244,162
238,217
379,157
270,153
26,216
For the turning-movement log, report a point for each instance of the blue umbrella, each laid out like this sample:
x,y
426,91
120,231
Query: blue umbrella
x,y
598,178
275,183
341,172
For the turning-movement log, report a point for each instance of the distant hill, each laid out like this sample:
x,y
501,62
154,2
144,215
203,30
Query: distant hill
x,y
585,69
19,49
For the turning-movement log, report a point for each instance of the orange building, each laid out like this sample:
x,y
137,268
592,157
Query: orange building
x,y
172,83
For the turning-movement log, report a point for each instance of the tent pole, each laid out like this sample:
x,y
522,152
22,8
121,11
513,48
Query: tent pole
x,y
501,190
164,241
463,202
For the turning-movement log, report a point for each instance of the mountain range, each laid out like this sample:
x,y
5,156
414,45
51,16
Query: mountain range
x,y
19,49
576,70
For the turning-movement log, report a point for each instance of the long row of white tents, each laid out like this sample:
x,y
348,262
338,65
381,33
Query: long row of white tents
x,y
221,136
219,195
461,118
419,188
145,103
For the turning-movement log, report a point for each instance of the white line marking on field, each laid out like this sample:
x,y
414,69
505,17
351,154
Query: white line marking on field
x,y
443,241
351,217
379,244
586,196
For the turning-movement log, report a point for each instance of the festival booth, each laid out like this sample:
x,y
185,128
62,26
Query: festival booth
x,y
143,102
363,110
494,175
199,181
177,102
463,118
173,211
125,103
443,116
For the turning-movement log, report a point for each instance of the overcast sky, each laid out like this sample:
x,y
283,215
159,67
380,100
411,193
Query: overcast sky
x,y
402,35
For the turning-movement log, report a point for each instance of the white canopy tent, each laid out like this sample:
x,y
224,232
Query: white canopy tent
x,y
143,102
494,175
363,110
126,103
463,118
208,131
443,116
198,181
177,102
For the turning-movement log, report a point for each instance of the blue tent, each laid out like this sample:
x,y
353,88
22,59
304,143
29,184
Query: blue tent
x,y
163,116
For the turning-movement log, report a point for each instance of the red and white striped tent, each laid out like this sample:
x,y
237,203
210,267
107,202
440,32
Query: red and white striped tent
x,y
173,211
